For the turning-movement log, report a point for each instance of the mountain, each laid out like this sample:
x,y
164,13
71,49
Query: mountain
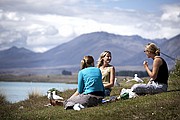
x,y
126,50
16,58
122,48
169,51
171,47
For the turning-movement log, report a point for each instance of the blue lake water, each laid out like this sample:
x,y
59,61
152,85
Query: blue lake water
x,y
18,91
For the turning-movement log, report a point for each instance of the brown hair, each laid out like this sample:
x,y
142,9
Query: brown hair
x,y
100,60
87,61
151,47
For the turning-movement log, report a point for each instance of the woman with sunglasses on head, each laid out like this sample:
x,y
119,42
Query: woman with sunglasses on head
x,y
158,75
107,70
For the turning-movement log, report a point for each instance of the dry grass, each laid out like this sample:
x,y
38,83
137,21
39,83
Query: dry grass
x,y
34,94
3,100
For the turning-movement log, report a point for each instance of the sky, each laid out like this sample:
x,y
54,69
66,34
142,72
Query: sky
x,y
42,25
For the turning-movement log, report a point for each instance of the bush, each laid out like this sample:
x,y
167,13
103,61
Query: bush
x,y
64,72
3,99
175,77
176,71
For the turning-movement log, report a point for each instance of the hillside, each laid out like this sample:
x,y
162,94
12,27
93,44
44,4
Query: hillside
x,y
122,48
126,51
162,106
169,51
17,58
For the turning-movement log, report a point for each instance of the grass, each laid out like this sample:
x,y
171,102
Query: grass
x,y
34,94
163,106
3,100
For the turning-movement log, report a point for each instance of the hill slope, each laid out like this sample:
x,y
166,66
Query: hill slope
x,y
169,51
126,50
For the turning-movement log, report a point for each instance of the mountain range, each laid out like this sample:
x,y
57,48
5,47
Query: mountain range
x,y
126,51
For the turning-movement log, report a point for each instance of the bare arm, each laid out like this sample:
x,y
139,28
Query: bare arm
x,y
75,94
112,77
156,64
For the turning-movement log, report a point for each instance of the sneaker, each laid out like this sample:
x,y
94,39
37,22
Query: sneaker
x,y
77,107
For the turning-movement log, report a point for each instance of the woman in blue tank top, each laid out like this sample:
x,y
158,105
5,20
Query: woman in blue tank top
x,y
90,89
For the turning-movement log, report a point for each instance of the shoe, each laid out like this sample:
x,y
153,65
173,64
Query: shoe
x,y
78,107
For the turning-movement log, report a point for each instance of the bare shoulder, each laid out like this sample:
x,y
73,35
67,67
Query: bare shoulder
x,y
111,67
158,60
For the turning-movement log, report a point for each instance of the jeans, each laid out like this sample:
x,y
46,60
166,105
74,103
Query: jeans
x,y
150,88
107,92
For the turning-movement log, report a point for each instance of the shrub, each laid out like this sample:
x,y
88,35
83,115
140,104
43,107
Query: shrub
x,y
3,99
175,76
64,72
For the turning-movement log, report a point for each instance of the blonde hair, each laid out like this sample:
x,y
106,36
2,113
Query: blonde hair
x,y
87,61
100,60
152,48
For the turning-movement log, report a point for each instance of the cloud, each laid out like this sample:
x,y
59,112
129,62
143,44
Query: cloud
x,y
11,38
40,26
170,20
171,13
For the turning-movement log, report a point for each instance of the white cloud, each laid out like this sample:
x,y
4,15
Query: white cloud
x,y
41,49
66,30
40,26
9,37
170,20
171,13
12,16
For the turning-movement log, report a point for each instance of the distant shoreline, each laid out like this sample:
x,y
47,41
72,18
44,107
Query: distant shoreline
x,y
68,79
39,78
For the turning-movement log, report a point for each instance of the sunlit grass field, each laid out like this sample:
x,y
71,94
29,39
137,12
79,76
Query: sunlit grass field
x,y
163,106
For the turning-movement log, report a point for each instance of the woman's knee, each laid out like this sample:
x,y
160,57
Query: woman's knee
x,y
134,87
138,88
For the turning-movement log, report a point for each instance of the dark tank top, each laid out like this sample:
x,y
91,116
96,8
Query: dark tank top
x,y
162,76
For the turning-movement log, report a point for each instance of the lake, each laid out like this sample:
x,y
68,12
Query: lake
x,y
18,91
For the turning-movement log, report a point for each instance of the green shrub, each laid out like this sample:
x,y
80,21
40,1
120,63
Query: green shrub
x,y
174,77
3,99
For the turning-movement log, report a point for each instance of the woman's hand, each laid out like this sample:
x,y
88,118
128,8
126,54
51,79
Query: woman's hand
x,y
150,81
145,63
